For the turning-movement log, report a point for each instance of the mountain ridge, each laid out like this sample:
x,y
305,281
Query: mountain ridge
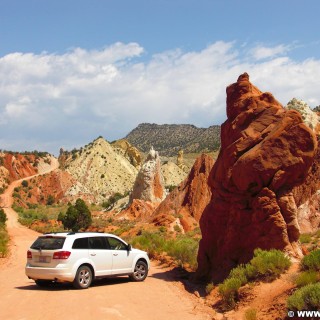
x,y
170,138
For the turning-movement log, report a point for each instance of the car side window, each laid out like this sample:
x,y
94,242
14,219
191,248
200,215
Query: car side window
x,y
98,243
81,243
116,244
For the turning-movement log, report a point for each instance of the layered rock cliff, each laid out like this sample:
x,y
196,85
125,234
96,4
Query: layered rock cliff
x,y
185,204
265,152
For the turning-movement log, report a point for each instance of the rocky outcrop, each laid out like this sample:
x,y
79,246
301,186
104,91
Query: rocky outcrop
x,y
20,166
149,184
265,152
124,148
309,117
185,204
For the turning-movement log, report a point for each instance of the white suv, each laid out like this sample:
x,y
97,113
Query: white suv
x,y
82,257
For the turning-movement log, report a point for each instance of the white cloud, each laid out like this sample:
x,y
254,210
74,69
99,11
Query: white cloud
x,y
53,101
261,52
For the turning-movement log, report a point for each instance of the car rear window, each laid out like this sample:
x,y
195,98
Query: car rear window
x,y
48,243
81,243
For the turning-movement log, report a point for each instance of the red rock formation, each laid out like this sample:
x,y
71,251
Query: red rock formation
x,y
265,151
139,210
20,166
188,200
58,184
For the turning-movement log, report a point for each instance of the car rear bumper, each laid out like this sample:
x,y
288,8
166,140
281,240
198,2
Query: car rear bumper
x,y
54,274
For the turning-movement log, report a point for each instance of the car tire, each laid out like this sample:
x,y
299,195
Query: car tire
x,y
43,283
83,278
140,271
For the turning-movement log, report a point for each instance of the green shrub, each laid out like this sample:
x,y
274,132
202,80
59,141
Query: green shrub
x,y
25,183
77,217
305,298
209,287
229,291
50,200
3,217
4,239
250,314
183,249
305,238
240,273
311,261
306,278
269,263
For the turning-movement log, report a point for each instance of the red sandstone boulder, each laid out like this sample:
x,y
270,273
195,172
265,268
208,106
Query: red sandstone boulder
x,y
266,151
186,203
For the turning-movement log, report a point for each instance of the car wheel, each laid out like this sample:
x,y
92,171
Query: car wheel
x,y
83,278
43,283
140,271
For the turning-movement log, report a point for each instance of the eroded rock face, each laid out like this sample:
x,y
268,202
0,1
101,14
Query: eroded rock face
x,y
185,204
149,182
266,151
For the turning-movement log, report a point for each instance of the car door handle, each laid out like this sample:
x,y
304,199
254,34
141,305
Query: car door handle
x,y
115,254
92,254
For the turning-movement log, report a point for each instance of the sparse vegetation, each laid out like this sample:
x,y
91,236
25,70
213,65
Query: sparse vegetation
x,y
305,298
183,249
250,314
265,265
4,238
307,277
311,261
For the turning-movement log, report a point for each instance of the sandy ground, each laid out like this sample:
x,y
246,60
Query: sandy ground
x,y
158,297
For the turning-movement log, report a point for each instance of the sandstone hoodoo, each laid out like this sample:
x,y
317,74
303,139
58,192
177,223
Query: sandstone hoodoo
x,y
185,204
149,182
265,152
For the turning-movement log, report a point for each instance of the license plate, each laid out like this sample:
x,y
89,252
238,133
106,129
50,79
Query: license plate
x,y
43,259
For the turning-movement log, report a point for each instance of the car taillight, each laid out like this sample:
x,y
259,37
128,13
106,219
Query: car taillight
x,y
29,254
61,255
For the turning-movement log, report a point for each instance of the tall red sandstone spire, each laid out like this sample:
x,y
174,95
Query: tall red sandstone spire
x,y
265,151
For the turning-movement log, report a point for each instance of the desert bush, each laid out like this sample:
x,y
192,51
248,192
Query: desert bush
x,y
311,261
228,290
3,217
240,273
183,249
4,239
50,200
250,314
305,298
305,238
24,183
269,263
209,287
305,278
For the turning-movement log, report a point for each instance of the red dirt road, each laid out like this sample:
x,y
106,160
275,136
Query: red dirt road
x,y
21,299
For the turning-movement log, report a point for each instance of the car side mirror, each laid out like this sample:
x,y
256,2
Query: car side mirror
x,y
129,247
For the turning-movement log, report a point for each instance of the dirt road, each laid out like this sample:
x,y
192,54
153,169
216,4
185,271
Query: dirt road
x,y
20,298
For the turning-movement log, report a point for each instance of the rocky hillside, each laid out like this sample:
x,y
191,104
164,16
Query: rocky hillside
x,y
14,165
170,138
100,169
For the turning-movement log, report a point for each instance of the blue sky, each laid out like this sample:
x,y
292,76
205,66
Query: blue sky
x,y
75,69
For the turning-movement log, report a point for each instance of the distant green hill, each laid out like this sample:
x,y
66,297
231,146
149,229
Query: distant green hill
x,y
168,139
